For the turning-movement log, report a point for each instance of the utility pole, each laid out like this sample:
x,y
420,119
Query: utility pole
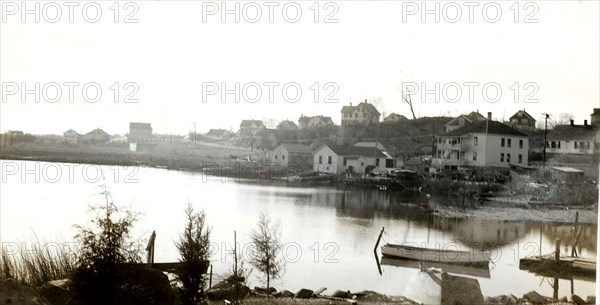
x,y
195,135
546,116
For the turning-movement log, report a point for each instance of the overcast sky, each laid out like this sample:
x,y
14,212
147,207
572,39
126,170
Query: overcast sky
x,y
368,54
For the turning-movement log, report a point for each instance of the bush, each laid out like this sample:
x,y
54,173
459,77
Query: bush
x,y
193,247
105,248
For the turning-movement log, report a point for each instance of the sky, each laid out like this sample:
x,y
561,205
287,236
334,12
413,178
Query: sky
x,y
170,67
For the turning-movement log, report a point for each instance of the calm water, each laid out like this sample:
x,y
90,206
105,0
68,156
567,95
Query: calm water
x,y
329,233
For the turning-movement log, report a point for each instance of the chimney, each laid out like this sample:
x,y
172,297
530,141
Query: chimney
x,y
489,116
584,122
366,101
350,104
572,123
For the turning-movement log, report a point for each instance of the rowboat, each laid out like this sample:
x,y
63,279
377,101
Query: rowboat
x,y
476,270
435,255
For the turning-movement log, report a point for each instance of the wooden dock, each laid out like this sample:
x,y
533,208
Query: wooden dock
x,y
565,268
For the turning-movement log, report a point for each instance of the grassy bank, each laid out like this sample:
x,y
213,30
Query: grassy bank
x,y
36,263
215,160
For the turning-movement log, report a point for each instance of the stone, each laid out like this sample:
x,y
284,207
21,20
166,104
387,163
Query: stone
x,y
577,300
263,290
304,294
229,293
58,292
535,298
284,294
342,294
12,292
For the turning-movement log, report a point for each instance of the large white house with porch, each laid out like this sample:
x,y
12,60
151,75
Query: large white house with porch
x,y
482,143
334,159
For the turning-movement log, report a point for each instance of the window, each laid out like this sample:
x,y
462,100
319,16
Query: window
x,y
345,161
439,152
501,157
474,156
377,162
502,142
520,143
275,157
329,158
553,144
356,115
507,158
282,157
509,143
575,144
475,141
320,159
440,140
520,158
558,145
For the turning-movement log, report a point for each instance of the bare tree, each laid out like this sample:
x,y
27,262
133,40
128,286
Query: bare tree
x,y
267,247
407,99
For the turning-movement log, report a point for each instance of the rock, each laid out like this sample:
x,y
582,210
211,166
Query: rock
x,y
11,292
577,300
263,290
535,298
230,293
502,300
591,299
370,296
284,294
58,292
342,294
303,294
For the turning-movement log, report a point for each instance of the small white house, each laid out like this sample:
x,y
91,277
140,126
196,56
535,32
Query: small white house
x,y
292,155
335,159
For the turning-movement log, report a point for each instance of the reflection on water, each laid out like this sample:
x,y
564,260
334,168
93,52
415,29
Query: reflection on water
x,y
348,219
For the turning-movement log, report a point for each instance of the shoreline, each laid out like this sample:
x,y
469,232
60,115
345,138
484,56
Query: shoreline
x,y
495,209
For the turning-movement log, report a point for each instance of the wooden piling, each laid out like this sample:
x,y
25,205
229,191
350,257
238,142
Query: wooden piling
x,y
210,278
573,235
557,250
378,239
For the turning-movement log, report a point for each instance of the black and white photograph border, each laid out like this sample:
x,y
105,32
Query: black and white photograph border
x,y
299,152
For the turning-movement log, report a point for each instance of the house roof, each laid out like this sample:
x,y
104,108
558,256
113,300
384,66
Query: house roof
x,y
70,131
572,132
396,115
596,111
476,116
355,151
98,131
306,119
522,113
287,124
493,127
135,125
469,118
366,107
248,123
296,148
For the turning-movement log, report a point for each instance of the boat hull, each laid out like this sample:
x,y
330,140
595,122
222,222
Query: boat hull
x,y
435,255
